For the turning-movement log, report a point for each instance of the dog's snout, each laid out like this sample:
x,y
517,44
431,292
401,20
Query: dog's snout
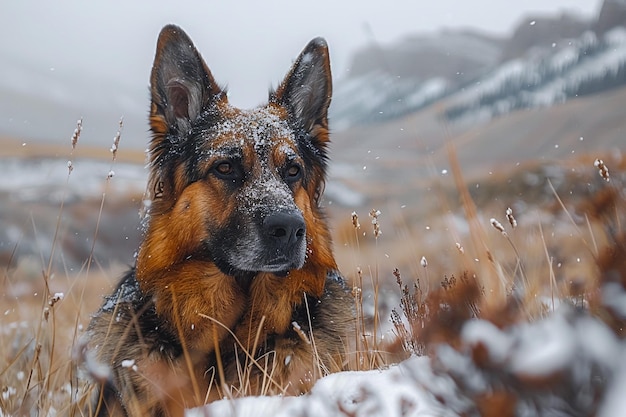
x,y
285,228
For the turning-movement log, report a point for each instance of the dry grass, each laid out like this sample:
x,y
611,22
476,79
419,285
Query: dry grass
x,y
506,267
514,273
40,324
44,313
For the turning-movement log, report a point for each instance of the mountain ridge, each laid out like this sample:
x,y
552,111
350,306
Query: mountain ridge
x,y
546,60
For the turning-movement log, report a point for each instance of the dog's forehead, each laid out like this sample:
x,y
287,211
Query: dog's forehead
x,y
263,129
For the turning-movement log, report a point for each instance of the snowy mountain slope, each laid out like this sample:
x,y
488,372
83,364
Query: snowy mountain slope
x,y
388,82
376,97
586,65
544,76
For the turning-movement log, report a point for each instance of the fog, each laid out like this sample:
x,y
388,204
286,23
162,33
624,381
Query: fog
x,y
68,59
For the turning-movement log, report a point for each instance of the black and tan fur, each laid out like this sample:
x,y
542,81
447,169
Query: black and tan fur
x,y
235,289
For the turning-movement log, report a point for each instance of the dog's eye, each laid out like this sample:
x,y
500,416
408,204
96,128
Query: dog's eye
x,y
224,168
293,172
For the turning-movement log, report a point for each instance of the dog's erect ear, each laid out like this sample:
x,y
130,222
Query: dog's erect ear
x,y
181,84
306,90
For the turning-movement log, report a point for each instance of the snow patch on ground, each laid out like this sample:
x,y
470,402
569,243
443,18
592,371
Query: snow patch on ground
x,y
391,392
574,350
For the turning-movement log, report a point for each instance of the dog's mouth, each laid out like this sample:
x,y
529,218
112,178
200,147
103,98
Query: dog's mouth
x,y
280,266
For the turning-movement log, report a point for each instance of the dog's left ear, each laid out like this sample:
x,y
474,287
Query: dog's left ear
x,y
307,89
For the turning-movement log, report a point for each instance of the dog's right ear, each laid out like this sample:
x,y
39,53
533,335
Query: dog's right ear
x,y
181,84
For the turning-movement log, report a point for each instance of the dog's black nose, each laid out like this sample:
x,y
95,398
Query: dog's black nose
x,y
285,228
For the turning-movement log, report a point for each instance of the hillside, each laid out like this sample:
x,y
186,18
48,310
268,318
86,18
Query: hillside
x,y
473,77
405,153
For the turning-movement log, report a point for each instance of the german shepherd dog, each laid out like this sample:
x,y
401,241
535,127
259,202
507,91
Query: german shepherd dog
x,y
235,289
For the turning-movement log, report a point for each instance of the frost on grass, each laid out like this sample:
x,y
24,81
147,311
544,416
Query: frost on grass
x,y
603,170
392,392
511,218
374,214
557,366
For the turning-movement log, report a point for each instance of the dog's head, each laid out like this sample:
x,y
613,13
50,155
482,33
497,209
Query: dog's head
x,y
240,188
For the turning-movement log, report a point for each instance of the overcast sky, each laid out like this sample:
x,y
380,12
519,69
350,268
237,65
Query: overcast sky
x,y
247,44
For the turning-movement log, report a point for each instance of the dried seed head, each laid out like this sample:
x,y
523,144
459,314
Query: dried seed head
x,y
396,273
116,138
498,226
76,135
374,215
460,248
355,220
510,218
395,318
602,169
55,298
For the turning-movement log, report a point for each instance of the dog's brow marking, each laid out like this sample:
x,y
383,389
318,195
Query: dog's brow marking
x,y
287,150
225,151
257,125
